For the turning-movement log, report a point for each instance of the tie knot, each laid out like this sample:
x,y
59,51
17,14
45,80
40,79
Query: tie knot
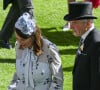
x,y
81,41
81,45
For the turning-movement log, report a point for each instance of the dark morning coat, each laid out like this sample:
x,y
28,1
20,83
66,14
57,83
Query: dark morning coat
x,y
86,71
6,3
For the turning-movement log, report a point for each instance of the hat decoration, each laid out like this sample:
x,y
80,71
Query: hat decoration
x,y
26,24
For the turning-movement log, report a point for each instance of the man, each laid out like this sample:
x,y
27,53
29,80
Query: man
x,y
17,8
86,71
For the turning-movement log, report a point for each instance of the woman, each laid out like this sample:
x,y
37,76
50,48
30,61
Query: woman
x,y
38,64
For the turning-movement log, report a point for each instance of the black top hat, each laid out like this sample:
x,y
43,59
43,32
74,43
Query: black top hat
x,y
79,10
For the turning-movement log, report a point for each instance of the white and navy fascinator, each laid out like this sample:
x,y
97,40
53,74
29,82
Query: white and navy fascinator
x,y
26,24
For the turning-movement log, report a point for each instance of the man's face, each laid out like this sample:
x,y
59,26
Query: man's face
x,y
78,27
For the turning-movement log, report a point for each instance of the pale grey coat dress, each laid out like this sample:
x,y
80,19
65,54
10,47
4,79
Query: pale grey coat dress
x,y
42,72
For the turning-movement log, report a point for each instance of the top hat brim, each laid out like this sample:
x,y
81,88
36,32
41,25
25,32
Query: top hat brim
x,y
70,18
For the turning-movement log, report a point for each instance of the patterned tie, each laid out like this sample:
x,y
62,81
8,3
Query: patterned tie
x,y
81,42
81,46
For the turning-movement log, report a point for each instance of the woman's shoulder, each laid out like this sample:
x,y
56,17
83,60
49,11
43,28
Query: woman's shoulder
x,y
47,44
46,41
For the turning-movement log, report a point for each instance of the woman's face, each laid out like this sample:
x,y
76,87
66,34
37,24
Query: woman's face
x,y
24,43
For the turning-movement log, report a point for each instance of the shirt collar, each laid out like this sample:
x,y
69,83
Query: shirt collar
x,y
86,33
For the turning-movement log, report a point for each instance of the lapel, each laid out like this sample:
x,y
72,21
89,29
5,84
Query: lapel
x,y
87,43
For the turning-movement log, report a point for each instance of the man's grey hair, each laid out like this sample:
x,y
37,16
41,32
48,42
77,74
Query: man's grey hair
x,y
85,20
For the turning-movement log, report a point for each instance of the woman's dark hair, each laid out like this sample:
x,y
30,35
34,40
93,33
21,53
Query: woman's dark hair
x,y
21,34
36,38
37,41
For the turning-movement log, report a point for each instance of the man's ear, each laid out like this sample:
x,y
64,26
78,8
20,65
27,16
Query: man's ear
x,y
88,23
